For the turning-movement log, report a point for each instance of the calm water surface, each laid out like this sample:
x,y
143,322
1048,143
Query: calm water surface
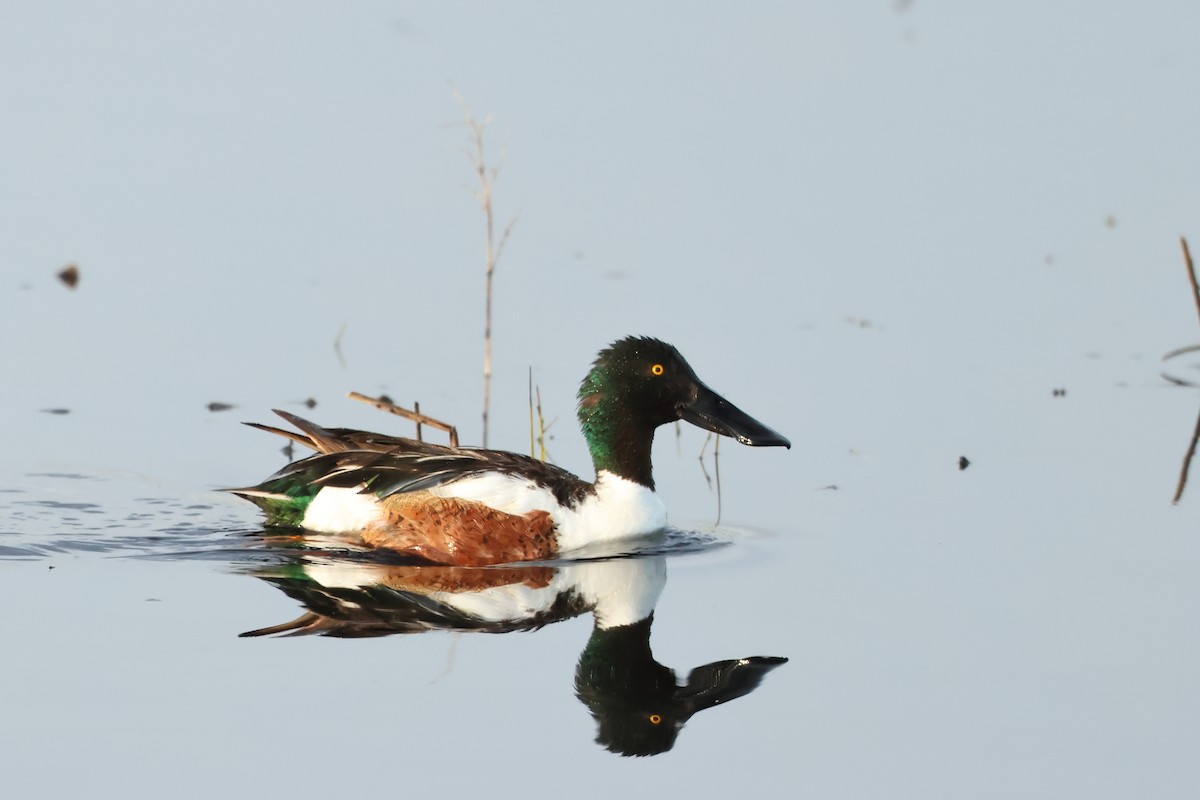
x,y
934,629
901,234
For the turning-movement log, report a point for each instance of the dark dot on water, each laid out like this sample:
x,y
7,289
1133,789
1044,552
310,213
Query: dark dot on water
x,y
310,403
963,463
69,275
1059,393
58,411
216,406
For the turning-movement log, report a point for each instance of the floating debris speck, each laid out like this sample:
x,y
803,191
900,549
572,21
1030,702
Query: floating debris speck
x,y
69,275
58,411
963,463
310,403
215,406
1059,393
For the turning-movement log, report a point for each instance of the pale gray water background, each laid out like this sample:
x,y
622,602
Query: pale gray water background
x,y
889,231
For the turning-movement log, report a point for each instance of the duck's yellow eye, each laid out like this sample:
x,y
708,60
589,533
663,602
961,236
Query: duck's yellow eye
x,y
657,369
655,718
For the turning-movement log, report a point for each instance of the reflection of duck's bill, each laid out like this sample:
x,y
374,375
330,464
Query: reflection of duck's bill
x,y
638,706
722,681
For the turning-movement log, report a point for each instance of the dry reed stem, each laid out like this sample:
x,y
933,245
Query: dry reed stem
x,y
541,437
416,416
1191,451
1191,269
716,476
1187,463
487,178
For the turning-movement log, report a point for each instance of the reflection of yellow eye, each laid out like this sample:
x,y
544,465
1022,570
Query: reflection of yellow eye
x,y
657,369
655,718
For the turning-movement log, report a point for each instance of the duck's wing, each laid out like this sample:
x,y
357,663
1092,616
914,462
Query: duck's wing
x,y
385,473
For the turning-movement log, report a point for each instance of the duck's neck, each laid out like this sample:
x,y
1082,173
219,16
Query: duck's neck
x,y
618,443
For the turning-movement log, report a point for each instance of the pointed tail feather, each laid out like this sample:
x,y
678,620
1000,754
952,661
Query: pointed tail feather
x,y
299,438
322,440
305,623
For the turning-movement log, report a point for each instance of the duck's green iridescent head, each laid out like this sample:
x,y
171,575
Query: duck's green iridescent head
x,y
639,383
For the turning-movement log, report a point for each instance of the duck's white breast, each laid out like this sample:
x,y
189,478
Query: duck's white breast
x,y
619,509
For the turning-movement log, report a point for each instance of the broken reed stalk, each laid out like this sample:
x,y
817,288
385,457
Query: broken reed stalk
x,y
541,437
487,178
416,416
1191,269
716,476
1187,463
1191,451
537,443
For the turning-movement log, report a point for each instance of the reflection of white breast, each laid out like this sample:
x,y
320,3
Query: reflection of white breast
x,y
619,592
619,509
622,591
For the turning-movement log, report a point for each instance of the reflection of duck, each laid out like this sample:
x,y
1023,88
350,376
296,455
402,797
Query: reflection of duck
x,y
636,701
470,506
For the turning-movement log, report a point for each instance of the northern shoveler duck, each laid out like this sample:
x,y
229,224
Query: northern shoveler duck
x,y
470,506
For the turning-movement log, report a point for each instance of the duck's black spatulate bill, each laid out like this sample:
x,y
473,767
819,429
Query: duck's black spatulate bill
x,y
710,411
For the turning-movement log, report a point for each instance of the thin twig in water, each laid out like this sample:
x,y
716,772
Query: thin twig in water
x,y
450,653
537,442
1179,351
703,468
1191,269
1176,381
1191,451
337,346
1187,463
542,426
400,411
717,475
487,178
